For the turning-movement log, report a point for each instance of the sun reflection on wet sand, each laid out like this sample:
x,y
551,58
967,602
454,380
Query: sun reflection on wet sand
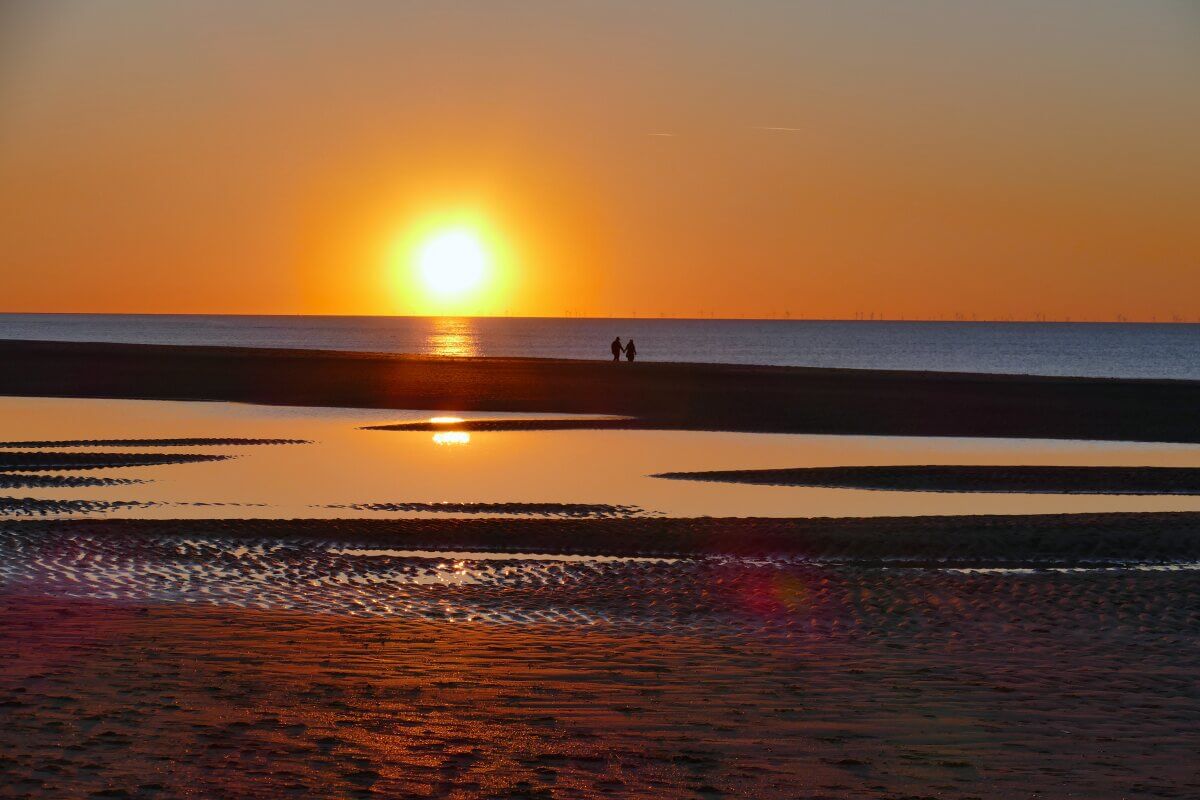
x,y
449,336
450,437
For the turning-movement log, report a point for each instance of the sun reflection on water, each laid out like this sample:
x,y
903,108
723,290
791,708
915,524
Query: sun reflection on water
x,y
452,437
450,336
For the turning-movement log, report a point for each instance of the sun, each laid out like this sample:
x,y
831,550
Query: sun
x,y
449,263
452,262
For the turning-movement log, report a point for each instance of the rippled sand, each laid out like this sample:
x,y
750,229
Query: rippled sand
x,y
549,510
27,480
151,661
191,441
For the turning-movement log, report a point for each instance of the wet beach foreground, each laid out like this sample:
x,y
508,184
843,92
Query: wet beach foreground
x,y
261,659
224,600
132,701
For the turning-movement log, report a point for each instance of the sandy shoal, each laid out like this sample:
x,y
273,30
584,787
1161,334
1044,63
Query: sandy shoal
x,y
666,395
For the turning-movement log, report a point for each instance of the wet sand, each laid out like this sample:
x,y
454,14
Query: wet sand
x,y
27,480
953,478
178,701
1000,540
693,396
36,507
588,510
626,655
16,461
345,471
194,441
274,660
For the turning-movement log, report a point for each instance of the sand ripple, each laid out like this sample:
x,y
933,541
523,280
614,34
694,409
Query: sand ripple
x,y
973,541
570,510
787,595
35,481
169,659
21,461
36,507
199,441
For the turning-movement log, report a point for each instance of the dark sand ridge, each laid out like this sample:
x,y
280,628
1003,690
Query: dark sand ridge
x,y
188,442
36,481
34,507
1062,539
945,478
692,396
605,510
498,425
39,507
40,461
31,506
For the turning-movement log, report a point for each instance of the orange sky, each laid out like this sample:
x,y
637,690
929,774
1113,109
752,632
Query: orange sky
x,y
915,159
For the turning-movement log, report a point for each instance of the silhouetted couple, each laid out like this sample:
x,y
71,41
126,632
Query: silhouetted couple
x,y
630,350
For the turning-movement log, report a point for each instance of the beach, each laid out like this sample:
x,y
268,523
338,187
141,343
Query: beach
x,y
567,401
716,677
353,591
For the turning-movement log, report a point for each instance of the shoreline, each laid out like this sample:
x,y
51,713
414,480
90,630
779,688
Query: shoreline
x,y
658,394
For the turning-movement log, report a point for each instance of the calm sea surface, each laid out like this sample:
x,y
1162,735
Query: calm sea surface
x,y
1092,349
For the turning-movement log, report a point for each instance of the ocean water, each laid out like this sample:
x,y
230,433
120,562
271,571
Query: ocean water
x,y
1084,349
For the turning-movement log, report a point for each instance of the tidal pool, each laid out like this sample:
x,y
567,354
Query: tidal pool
x,y
343,471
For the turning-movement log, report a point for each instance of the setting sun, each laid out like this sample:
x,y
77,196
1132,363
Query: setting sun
x,y
452,262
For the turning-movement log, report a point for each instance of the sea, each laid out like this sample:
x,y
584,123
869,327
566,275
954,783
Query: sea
x,y
1123,350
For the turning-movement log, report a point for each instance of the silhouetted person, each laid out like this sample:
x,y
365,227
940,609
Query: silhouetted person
x,y
630,351
616,349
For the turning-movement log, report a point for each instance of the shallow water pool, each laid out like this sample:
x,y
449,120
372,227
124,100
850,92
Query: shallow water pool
x,y
344,471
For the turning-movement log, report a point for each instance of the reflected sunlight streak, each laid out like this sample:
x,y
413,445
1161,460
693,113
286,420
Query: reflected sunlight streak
x,y
450,336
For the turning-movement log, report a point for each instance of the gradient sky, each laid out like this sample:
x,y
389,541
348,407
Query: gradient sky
x,y
687,158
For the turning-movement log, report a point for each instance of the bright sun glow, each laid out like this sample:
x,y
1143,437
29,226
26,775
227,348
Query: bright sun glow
x,y
452,262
